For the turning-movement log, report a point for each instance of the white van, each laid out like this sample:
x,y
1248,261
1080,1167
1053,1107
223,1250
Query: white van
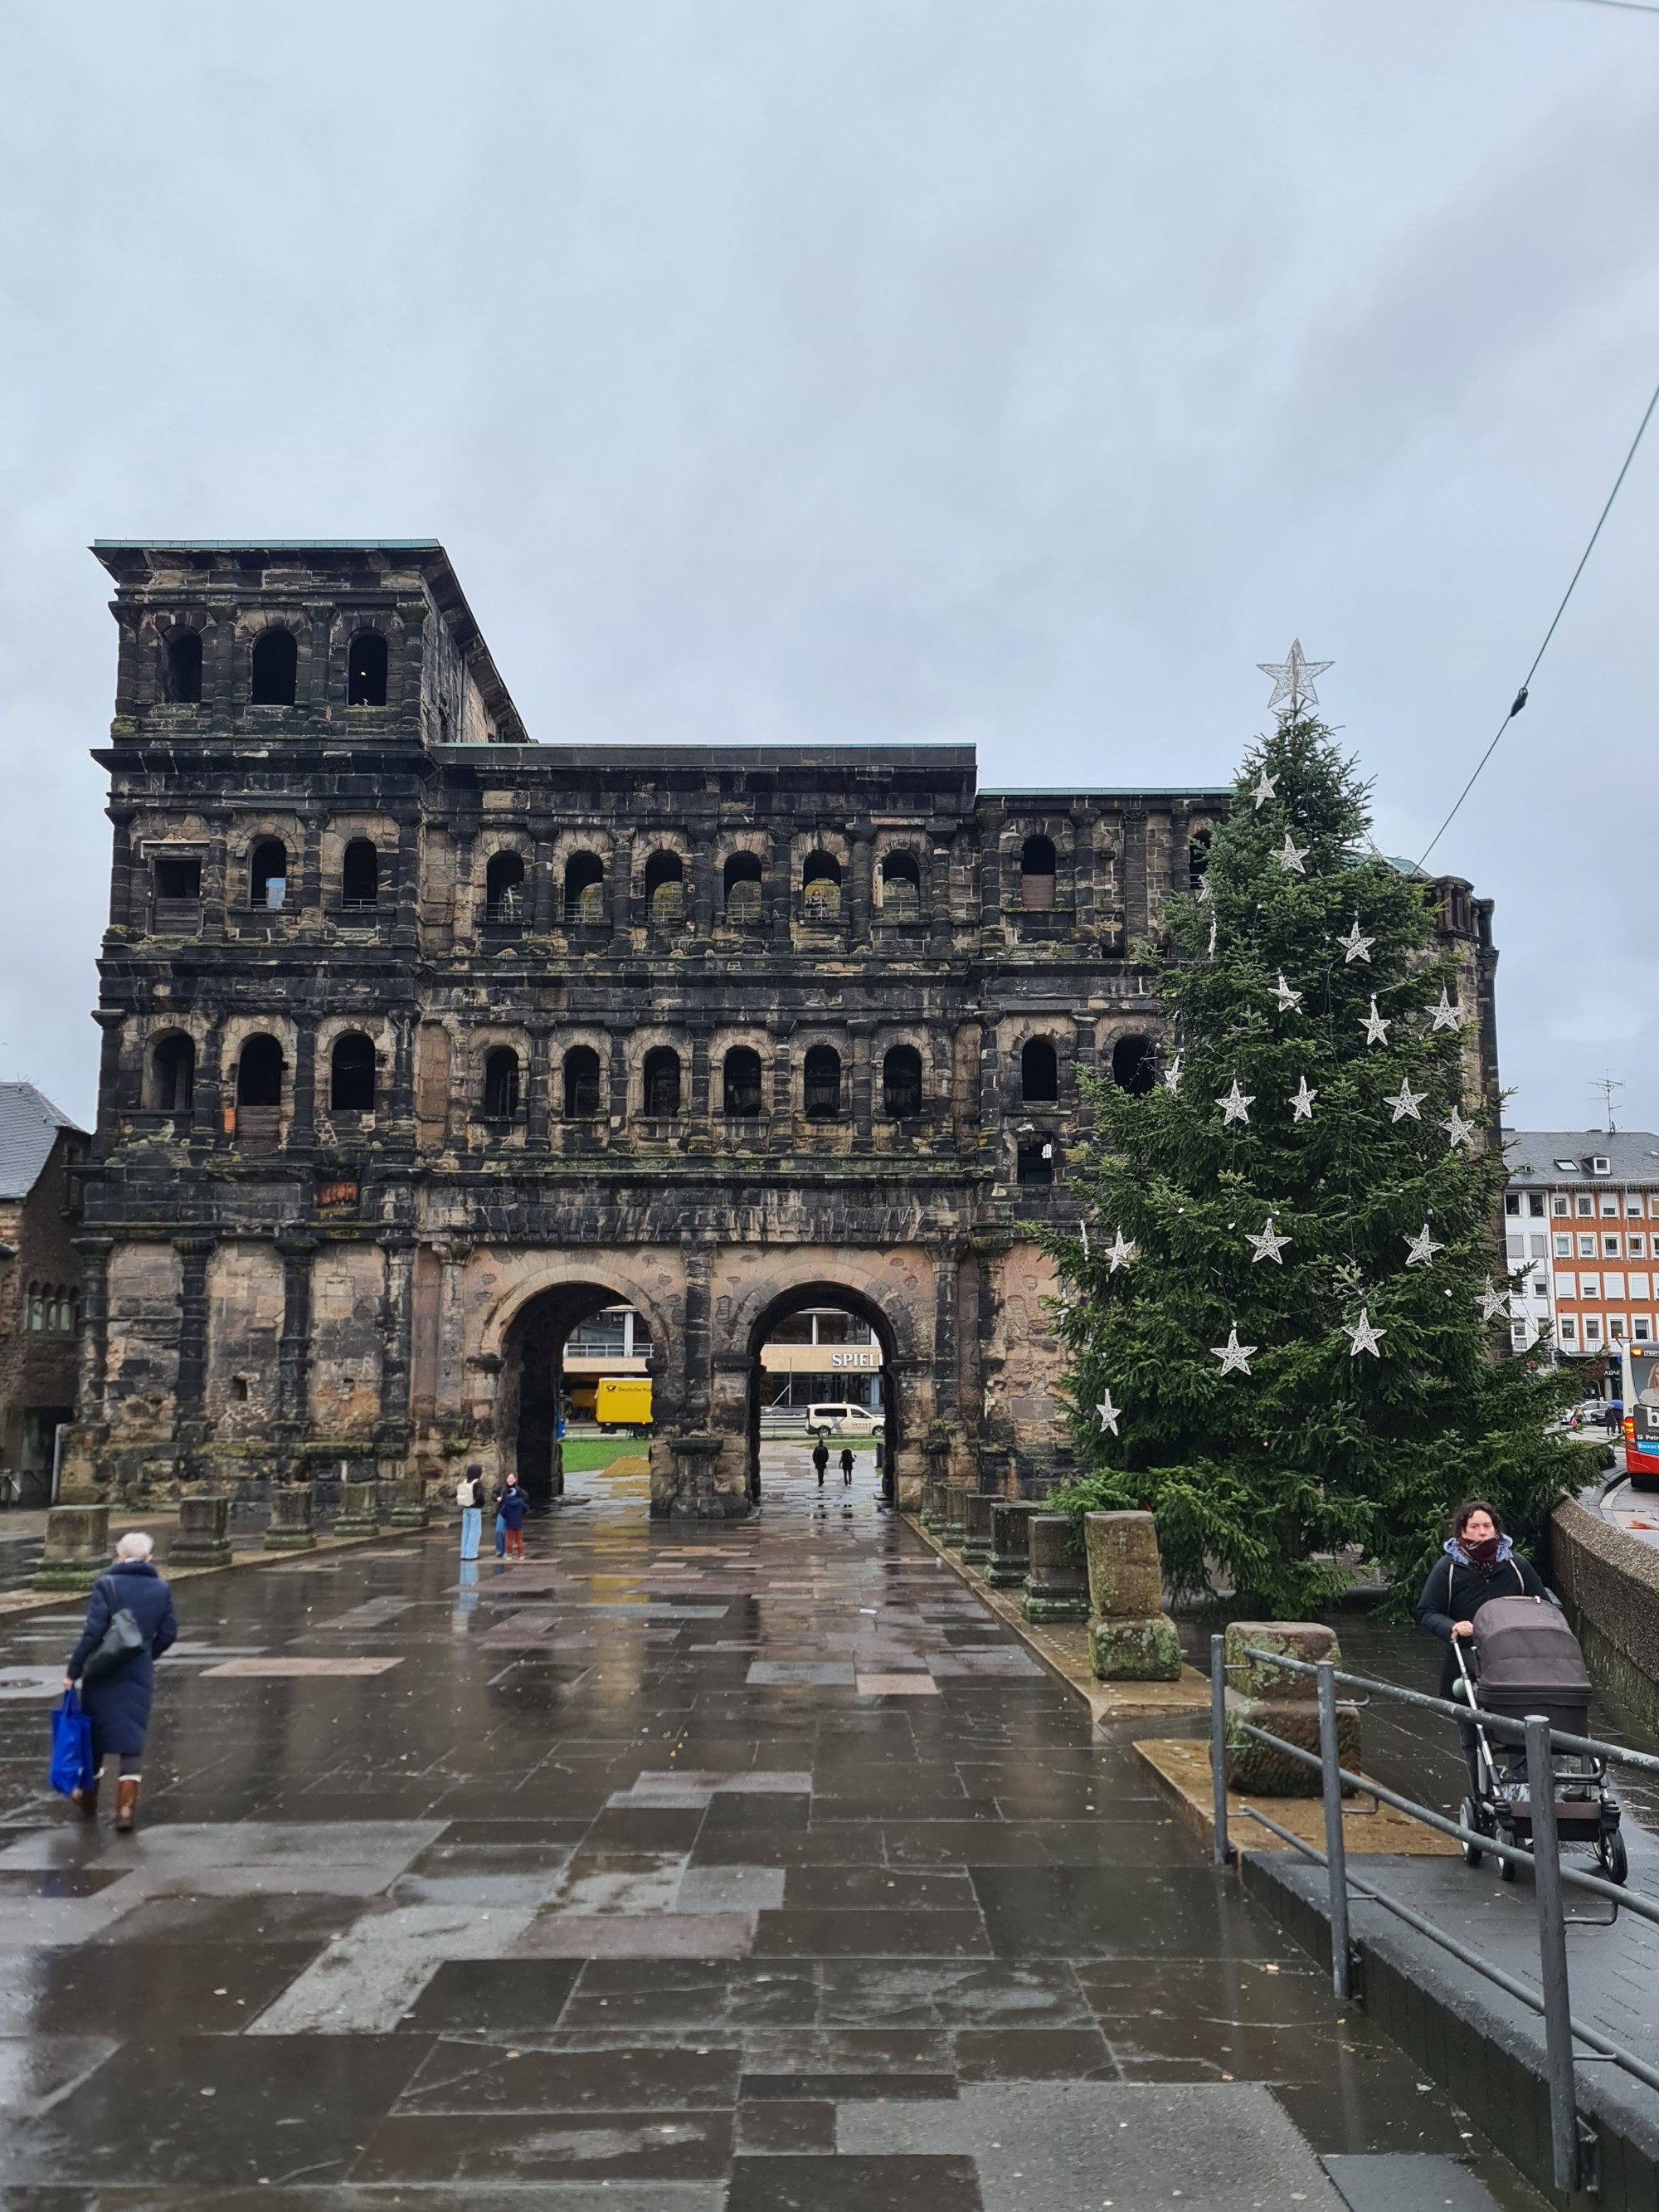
x,y
841,1420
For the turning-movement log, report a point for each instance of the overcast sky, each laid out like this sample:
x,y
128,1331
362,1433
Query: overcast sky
x,y
880,371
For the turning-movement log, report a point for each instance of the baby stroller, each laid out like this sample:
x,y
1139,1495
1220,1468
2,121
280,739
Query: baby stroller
x,y
1523,1659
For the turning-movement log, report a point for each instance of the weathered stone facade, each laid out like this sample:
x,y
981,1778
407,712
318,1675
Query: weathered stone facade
x,y
529,1030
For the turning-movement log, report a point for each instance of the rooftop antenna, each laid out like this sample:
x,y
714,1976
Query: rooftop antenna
x,y
1606,1085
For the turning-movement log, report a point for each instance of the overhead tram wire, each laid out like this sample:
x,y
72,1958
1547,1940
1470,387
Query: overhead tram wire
x,y
1521,696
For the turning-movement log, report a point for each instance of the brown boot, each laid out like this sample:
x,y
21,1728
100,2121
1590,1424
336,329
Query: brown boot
x,y
126,1804
87,1800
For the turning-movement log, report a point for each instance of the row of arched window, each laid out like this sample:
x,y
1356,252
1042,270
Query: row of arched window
x,y
50,1308
273,668
353,1065
743,896
179,876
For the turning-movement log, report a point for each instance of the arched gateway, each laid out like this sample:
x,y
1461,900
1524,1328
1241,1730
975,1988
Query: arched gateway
x,y
714,1033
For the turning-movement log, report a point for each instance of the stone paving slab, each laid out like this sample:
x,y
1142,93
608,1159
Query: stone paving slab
x,y
610,1919
1369,1827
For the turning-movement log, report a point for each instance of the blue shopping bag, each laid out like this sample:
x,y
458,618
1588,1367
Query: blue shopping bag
x,y
71,1747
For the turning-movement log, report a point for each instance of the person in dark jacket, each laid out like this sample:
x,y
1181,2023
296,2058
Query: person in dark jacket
x,y
117,1703
1478,1564
847,1463
820,1458
511,1507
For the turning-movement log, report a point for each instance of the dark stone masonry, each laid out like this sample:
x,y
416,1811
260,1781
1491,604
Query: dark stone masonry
x,y
423,1042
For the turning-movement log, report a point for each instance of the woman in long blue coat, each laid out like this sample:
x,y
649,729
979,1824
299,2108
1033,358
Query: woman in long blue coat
x,y
117,1703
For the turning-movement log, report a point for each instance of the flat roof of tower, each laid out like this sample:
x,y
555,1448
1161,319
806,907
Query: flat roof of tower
x,y
267,545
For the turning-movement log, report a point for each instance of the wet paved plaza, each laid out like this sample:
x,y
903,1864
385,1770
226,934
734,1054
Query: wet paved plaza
x,y
729,1869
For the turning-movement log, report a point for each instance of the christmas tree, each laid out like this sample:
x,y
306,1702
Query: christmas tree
x,y
1286,1315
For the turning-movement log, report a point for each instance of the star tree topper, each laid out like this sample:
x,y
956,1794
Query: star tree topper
x,y
1233,1355
1235,1105
1362,1337
1294,680
1107,1412
1268,1245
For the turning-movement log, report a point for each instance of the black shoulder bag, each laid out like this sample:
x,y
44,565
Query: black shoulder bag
x,y
121,1640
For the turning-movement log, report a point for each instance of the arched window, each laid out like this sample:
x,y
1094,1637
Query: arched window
x,y
351,1074
360,874
181,667
259,1072
820,888
821,1101
581,1083
1034,1163
1198,857
1036,874
1039,1073
504,898
267,878
1134,1066
584,888
744,892
900,1083
665,890
901,887
662,1082
501,1084
366,666
742,1083
276,668
172,1073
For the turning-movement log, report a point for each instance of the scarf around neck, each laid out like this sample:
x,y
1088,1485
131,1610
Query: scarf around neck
x,y
1453,1548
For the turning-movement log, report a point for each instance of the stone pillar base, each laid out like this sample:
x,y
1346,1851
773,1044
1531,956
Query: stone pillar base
x,y
357,1516
1285,1703
1135,1650
410,1510
1011,1554
1056,1587
701,1490
289,1528
976,1530
77,1548
204,1537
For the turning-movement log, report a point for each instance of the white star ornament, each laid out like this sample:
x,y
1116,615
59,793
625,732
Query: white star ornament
x,y
1212,933
1302,1104
1422,1247
1445,1016
1291,855
1235,1105
1493,1304
1120,1250
1233,1355
1268,1245
1293,679
1289,1000
1377,1029
1109,1414
1355,947
1458,1131
1407,1102
1264,787
1172,1074
1363,1337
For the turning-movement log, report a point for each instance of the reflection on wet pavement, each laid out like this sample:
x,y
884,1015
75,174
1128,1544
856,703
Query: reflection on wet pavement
x,y
704,1869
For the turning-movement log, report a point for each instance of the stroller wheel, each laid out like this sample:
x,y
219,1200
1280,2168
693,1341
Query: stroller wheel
x,y
1615,1860
1469,1817
1507,1871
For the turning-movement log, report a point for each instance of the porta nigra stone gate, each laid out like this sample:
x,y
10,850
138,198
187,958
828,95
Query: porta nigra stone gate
x,y
423,1042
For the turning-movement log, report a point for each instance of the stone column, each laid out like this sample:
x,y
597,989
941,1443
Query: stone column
x,y
1010,1542
1082,871
207,1113
619,1079
94,1253
302,1122
216,887
541,884
1282,1703
861,888
124,906
189,1390
781,884
452,1332
109,1080
1056,1587
1134,877
400,1100
695,1336
938,895
698,1118
1131,1638
702,883
947,1379
293,1347
407,890
537,1108
397,1323
863,1085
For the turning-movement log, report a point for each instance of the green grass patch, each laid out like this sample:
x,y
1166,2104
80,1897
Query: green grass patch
x,y
585,1454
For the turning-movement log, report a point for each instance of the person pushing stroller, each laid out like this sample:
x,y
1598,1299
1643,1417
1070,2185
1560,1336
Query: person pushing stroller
x,y
1478,1564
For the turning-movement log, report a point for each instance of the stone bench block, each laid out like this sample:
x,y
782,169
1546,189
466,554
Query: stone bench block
x,y
77,1548
357,1516
289,1528
976,1529
953,1528
1010,1547
1056,1585
1131,1638
204,1537
1285,1703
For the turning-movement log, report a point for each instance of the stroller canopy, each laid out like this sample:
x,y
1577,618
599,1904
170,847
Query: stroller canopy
x,y
1529,1660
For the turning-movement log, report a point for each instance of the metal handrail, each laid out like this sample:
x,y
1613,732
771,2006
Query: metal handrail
x,y
1573,2147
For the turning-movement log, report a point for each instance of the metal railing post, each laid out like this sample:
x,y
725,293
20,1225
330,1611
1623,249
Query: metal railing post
x,y
1552,1955
1336,1854
1224,1849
